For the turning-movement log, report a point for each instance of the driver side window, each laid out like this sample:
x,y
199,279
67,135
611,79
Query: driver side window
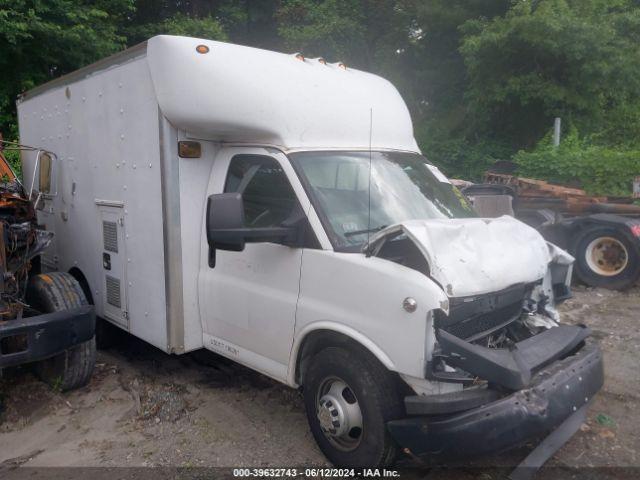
x,y
267,194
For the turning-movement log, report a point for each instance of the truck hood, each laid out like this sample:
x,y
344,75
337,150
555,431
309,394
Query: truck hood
x,y
474,256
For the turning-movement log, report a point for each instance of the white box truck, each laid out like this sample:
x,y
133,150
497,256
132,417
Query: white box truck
x,y
276,209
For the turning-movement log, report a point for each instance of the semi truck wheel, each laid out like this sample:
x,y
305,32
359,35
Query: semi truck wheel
x,y
54,292
606,258
348,398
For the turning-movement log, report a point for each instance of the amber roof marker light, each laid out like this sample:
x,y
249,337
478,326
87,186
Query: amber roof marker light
x,y
202,49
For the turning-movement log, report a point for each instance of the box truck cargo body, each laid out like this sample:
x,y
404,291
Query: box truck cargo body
x,y
276,210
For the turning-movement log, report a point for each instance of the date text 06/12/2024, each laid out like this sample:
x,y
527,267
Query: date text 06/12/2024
x,y
316,472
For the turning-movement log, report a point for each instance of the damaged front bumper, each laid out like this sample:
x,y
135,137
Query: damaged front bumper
x,y
553,394
43,336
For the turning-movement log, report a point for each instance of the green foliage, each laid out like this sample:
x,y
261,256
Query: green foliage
x,y
40,40
457,157
367,34
332,28
576,59
483,79
13,158
598,169
180,24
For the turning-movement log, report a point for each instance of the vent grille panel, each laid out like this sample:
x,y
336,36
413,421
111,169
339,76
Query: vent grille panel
x,y
113,292
110,236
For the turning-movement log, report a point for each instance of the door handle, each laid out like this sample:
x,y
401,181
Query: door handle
x,y
106,261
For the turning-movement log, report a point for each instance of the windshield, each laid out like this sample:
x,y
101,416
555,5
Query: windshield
x,y
404,186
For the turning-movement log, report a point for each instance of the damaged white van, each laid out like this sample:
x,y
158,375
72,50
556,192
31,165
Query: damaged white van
x,y
276,209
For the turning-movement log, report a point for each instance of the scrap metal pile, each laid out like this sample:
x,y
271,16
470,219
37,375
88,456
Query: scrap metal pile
x,y
20,242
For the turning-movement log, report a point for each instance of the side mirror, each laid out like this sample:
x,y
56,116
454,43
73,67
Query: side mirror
x,y
43,180
225,216
226,229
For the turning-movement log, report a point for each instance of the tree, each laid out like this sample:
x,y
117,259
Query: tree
x,y
178,24
439,84
368,34
576,59
41,40
483,79
194,18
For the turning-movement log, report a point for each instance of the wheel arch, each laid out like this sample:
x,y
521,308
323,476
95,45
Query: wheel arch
x,y
76,273
320,335
579,226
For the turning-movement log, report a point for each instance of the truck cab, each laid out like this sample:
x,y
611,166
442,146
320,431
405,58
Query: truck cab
x,y
45,319
367,279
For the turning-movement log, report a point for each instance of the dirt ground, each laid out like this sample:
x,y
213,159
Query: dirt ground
x,y
144,408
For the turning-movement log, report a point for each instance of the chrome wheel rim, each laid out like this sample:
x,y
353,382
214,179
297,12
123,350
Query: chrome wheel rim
x,y
607,256
339,414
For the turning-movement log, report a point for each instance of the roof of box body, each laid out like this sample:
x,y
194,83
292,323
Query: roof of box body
x,y
247,95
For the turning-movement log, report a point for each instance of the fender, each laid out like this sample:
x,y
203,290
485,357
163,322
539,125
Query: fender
x,y
355,335
627,226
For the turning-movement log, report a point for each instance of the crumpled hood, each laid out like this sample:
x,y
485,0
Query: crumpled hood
x,y
473,256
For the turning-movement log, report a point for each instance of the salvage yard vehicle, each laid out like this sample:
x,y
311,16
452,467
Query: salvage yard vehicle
x,y
45,319
276,210
602,233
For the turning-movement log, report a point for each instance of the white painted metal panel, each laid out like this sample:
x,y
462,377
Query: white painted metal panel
x,y
362,297
104,127
248,300
194,176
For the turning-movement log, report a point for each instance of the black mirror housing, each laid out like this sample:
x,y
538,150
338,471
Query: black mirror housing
x,y
225,212
226,229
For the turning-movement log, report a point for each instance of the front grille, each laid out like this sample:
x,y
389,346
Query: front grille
x,y
485,323
113,292
473,317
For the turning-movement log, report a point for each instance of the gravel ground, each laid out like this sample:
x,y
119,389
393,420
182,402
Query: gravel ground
x,y
144,408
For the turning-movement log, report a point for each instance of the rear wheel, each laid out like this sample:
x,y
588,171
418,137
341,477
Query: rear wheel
x,y
54,292
349,397
606,258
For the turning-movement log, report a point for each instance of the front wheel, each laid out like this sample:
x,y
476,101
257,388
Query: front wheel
x,y
54,292
349,397
605,257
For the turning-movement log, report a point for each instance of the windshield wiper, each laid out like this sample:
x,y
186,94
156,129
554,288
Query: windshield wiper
x,y
366,230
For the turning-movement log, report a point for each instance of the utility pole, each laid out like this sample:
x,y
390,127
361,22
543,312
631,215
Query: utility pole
x,y
557,127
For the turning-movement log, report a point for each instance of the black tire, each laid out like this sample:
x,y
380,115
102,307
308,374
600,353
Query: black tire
x,y
376,395
626,259
54,292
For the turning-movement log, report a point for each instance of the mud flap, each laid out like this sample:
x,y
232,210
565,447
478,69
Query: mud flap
x,y
550,445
